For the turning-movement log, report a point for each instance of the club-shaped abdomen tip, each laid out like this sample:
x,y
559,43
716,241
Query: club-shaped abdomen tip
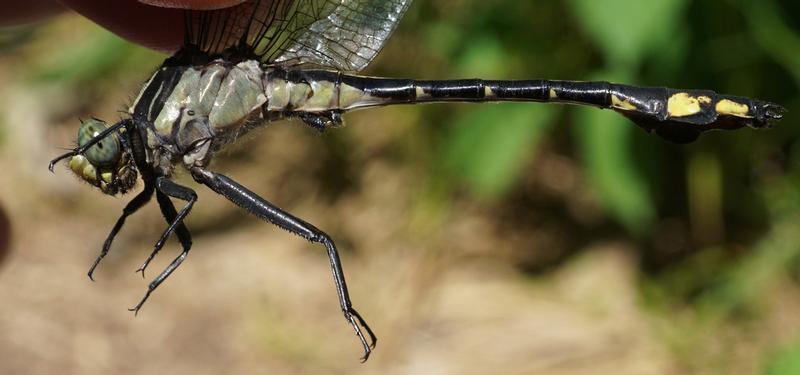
x,y
774,111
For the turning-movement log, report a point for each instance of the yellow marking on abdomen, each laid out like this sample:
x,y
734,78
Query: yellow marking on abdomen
x,y
618,103
731,108
682,104
420,93
487,92
299,92
552,94
321,97
349,96
278,94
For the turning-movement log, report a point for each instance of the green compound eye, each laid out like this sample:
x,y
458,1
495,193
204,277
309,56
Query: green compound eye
x,y
105,153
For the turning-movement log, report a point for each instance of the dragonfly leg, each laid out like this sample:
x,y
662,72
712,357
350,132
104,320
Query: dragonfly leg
x,y
171,189
267,211
134,205
322,121
169,213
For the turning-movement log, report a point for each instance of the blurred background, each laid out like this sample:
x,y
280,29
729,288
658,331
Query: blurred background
x,y
502,238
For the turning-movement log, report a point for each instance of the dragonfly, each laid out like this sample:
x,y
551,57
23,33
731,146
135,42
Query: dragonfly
x,y
267,60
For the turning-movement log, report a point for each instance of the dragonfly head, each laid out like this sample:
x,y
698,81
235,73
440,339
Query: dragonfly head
x,y
107,165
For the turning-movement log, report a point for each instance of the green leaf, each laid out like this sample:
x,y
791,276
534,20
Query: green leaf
x,y
772,32
489,145
484,57
628,30
605,142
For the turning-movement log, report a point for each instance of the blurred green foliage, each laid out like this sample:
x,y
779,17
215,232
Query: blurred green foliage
x,y
784,362
718,217
624,46
719,220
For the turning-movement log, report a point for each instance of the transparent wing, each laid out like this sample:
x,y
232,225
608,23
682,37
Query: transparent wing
x,y
347,34
340,34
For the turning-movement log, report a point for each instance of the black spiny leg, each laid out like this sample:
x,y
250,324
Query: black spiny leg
x,y
321,121
169,213
258,206
171,189
134,205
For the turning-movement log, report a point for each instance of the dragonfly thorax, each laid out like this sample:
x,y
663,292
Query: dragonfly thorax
x,y
186,113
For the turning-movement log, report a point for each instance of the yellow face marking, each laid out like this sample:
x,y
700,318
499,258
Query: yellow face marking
x,y
731,108
618,103
106,176
553,94
682,104
83,169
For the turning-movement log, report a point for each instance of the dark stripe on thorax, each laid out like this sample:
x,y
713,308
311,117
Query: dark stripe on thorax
x,y
156,93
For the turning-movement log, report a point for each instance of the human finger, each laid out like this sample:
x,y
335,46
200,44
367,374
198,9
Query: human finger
x,y
20,12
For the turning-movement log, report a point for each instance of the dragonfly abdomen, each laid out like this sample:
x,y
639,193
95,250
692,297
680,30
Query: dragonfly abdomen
x,y
678,115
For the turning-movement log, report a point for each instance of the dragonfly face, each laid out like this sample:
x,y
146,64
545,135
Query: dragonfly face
x,y
264,60
107,164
